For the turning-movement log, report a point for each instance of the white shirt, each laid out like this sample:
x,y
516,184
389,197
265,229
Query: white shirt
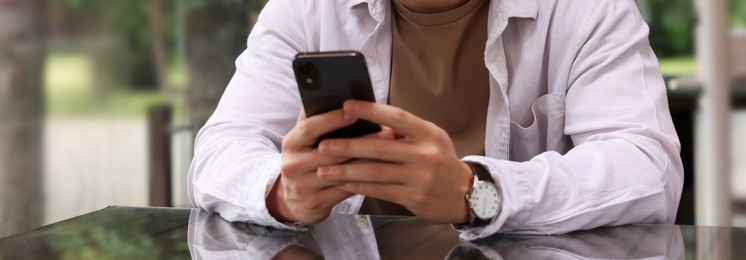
x,y
628,242
337,237
578,131
354,237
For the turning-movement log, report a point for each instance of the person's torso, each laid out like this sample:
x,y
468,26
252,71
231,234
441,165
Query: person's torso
x,y
529,54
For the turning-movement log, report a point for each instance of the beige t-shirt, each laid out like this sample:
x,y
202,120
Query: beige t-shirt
x,y
438,74
438,70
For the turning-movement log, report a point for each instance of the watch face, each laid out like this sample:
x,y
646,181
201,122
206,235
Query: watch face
x,y
484,200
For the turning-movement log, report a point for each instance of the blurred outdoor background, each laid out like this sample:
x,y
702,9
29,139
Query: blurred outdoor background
x,y
79,77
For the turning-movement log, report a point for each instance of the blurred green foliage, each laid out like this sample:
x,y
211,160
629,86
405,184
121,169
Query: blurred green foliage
x,y
101,243
131,16
671,22
128,22
738,13
671,26
678,66
130,79
68,90
120,233
111,71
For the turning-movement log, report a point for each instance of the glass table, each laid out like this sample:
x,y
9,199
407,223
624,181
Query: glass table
x,y
168,233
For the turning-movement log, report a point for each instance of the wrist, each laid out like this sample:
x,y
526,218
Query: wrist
x,y
484,199
276,203
465,189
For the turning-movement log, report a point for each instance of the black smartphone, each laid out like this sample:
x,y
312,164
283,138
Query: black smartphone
x,y
326,79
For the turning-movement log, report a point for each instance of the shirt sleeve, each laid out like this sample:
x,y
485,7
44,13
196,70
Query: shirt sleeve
x,y
237,153
625,166
211,237
630,242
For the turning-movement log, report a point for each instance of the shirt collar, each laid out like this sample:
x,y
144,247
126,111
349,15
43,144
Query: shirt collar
x,y
520,8
500,10
377,8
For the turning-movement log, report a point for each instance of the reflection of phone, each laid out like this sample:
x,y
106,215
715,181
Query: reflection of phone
x,y
327,79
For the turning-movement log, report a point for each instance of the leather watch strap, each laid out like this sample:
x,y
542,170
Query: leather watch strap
x,y
483,175
481,172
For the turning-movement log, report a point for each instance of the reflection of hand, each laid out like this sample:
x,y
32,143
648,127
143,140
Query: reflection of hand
x,y
296,252
211,237
420,170
467,251
298,195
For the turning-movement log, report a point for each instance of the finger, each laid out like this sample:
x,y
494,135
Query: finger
x,y
327,198
385,133
399,120
307,131
369,171
307,183
370,148
308,161
314,208
388,133
395,193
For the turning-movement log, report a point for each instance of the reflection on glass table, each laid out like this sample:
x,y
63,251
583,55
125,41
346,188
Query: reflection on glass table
x,y
162,233
366,237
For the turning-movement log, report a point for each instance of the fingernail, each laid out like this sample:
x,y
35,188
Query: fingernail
x,y
386,135
348,117
323,172
351,107
326,146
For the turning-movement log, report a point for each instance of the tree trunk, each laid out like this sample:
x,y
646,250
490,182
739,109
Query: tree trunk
x,y
21,58
159,50
216,35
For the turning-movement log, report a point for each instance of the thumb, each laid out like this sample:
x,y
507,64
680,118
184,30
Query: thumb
x,y
301,115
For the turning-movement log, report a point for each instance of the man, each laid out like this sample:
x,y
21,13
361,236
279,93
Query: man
x,y
558,108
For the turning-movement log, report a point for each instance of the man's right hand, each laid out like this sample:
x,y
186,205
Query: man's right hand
x,y
299,195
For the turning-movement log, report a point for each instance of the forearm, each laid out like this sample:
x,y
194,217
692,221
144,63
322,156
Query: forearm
x,y
232,173
620,180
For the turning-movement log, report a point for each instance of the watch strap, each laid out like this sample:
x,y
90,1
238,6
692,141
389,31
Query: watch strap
x,y
481,174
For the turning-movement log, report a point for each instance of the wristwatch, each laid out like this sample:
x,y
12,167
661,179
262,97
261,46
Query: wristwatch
x,y
484,198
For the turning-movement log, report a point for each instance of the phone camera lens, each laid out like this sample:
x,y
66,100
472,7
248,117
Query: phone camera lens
x,y
306,68
307,75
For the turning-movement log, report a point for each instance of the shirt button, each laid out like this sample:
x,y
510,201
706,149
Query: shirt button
x,y
362,222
